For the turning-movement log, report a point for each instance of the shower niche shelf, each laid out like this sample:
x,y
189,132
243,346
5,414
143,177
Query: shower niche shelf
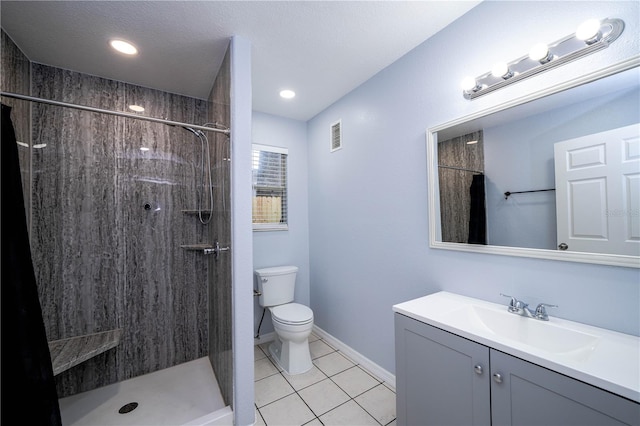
x,y
196,212
196,247
67,353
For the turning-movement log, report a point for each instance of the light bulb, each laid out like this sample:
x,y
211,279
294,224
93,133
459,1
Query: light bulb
x,y
468,84
540,52
589,31
501,70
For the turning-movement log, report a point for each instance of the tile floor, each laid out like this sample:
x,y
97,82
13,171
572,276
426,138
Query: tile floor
x,y
336,391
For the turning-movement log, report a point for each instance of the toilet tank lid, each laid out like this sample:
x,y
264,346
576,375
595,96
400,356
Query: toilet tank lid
x,y
276,270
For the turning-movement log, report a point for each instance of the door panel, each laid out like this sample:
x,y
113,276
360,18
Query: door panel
x,y
597,192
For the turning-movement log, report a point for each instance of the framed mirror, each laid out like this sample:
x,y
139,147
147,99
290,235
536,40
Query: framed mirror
x,y
552,175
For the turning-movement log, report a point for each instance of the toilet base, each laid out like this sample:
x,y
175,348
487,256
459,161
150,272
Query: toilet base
x,y
293,358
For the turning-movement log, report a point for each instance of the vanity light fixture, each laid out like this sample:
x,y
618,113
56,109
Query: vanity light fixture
x,y
589,31
591,36
501,70
469,84
540,52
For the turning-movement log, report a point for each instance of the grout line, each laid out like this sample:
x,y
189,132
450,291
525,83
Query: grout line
x,y
365,410
259,413
317,417
343,390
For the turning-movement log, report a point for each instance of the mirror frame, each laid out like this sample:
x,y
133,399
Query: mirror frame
x,y
434,194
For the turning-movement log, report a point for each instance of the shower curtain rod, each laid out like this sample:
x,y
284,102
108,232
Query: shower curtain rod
x,y
110,112
461,169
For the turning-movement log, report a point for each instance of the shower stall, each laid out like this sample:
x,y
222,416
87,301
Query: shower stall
x,y
121,213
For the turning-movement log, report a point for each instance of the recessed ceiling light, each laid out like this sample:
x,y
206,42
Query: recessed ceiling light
x,y
123,47
287,94
144,148
136,108
472,142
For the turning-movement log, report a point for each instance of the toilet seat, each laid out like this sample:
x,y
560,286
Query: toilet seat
x,y
292,314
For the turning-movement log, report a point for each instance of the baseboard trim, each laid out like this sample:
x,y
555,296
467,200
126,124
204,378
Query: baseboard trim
x,y
356,356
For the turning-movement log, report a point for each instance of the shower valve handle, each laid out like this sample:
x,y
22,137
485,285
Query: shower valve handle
x,y
217,249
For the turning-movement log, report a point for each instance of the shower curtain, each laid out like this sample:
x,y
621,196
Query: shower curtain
x,y
28,388
478,212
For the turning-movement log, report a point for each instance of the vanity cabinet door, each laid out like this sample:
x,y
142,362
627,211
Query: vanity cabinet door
x,y
441,378
527,394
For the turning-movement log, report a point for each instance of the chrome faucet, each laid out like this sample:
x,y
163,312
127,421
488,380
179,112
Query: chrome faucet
x,y
518,307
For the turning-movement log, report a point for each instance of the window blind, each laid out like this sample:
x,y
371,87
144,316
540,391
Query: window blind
x,y
269,165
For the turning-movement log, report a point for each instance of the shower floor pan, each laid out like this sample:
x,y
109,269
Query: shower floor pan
x,y
186,394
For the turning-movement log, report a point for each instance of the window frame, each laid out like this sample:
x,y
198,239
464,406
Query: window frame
x,y
271,226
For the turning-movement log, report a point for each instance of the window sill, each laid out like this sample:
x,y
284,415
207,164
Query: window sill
x,y
270,227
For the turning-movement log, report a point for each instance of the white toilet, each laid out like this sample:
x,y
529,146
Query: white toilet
x,y
292,321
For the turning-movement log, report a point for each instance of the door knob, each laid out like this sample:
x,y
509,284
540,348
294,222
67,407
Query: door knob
x,y
497,377
563,246
478,369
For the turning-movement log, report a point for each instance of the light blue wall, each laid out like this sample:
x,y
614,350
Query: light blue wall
x,y
368,202
277,248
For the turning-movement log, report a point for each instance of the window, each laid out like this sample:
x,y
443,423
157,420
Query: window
x,y
269,167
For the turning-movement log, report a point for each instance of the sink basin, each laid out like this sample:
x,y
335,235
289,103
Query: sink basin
x,y
538,334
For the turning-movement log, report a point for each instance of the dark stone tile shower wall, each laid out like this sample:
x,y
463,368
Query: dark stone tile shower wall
x,y
455,200
220,298
108,225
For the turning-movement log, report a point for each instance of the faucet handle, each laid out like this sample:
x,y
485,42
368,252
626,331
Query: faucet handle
x,y
513,299
541,311
514,305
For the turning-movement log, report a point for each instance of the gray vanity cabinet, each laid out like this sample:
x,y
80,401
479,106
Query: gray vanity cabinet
x,y
441,378
526,393
445,379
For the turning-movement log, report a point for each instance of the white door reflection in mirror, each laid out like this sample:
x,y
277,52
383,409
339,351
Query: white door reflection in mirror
x,y
598,192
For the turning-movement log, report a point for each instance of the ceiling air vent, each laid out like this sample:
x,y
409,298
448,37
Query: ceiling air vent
x,y
336,136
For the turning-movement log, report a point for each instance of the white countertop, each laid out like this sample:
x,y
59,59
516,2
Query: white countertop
x,y
613,363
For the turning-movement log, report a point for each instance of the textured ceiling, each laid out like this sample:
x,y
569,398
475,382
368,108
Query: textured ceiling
x,y
320,49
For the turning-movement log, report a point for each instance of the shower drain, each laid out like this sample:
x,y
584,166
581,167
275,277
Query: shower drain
x,y
127,408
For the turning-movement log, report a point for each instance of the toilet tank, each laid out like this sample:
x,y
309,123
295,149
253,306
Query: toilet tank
x,y
276,284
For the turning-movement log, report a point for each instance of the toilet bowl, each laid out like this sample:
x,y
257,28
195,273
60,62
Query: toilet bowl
x,y
292,322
